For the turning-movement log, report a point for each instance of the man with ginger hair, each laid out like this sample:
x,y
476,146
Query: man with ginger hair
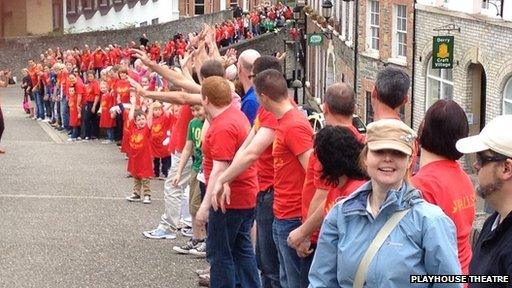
x,y
230,251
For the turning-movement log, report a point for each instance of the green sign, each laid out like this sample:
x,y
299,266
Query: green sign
x,y
442,52
315,39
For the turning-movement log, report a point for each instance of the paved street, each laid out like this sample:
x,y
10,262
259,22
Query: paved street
x,y
64,221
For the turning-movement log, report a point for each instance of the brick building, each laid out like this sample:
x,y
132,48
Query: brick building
x,y
199,7
384,31
481,78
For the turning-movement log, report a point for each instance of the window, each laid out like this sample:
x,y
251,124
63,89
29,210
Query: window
x,y
439,84
154,21
72,6
347,21
507,97
369,108
199,7
373,25
118,1
103,3
145,23
57,16
233,3
87,5
400,31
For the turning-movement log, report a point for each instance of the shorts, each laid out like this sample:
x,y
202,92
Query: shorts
x,y
194,194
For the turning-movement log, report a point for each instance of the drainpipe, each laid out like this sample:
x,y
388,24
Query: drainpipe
x,y
413,59
356,44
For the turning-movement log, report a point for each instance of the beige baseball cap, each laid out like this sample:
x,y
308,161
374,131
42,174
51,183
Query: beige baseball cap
x,y
390,134
495,136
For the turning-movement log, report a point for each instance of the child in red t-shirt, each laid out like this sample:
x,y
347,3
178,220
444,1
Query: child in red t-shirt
x,y
74,113
159,121
106,120
140,162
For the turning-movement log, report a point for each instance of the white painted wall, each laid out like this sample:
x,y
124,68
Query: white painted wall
x,y
471,7
164,10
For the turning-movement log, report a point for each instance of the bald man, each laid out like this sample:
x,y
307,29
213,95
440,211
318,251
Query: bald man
x,y
250,103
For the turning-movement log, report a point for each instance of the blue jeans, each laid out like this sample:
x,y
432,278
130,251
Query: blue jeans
x,y
266,251
64,112
110,134
229,249
39,104
289,261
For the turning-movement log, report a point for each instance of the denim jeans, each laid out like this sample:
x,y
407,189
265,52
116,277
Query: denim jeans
x,y
39,104
64,112
110,134
89,121
289,261
75,132
266,251
229,249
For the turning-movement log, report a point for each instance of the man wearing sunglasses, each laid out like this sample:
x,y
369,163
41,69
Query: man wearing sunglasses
x,y
492,253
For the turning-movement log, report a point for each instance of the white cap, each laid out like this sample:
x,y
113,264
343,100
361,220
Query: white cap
x,y
495,136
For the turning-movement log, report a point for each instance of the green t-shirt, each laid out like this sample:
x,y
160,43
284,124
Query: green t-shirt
x,y
194,134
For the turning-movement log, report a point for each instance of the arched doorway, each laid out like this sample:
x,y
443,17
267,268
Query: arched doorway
x,y
477,86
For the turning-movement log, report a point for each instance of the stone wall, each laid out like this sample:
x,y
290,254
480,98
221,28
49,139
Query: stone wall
x,y
481,41
15,51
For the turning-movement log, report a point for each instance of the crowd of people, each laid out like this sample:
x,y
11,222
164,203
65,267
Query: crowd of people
x,y
272,203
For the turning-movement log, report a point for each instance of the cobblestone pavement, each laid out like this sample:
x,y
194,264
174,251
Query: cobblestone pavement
x,y
64,221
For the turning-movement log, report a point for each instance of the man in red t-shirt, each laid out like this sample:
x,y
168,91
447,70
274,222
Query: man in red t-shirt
x,y
92,99
99,59
258,147
291,150
230,252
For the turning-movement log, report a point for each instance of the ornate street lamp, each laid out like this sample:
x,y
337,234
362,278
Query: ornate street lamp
x,y
327,9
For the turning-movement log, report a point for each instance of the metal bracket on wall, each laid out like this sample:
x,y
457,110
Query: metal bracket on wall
x,y
448,28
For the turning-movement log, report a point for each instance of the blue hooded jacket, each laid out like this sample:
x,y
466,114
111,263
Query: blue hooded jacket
x,y
423,242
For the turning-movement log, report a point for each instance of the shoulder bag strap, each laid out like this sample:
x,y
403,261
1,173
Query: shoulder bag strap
x,y
375,246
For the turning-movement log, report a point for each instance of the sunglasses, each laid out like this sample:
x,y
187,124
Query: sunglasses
x,y
482,160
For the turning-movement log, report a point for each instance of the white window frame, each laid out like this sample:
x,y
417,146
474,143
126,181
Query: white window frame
x,y
337,13
370,44
103,3
350,16
343,20
397,32
507,100
71,9
88,5
440,79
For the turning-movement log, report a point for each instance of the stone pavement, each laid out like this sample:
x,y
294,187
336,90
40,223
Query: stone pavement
x,y
64,221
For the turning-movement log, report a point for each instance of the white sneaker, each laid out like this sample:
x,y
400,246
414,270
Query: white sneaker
x,y
199,250
146,200
71,139
159,234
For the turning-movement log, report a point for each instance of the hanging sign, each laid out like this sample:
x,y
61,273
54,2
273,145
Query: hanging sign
x,y
315,39
442,52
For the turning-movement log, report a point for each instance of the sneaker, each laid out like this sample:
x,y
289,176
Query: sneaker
x,y
159,234
185,248
46,120
187,232
200,250
71,139
106,142
133,198
86,139
204,280
147,199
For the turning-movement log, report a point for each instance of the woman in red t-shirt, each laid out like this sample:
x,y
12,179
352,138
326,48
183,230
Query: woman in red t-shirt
x,y
440,179
337,149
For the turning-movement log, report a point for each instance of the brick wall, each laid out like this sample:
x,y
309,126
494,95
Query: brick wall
x,y
482,41
15,51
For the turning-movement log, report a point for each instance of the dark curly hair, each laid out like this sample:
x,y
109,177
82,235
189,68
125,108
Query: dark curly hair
x,y
338,151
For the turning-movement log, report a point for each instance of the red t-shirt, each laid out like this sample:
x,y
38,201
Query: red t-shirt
x,y
180,129
86,61
446,185
226,134
107,102
265,163
122,90
158,134
98,59
74,120
336,194
92,89
294,136
80,89
140,161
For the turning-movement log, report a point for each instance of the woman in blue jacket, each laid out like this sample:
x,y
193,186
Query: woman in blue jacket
x,y
422,243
